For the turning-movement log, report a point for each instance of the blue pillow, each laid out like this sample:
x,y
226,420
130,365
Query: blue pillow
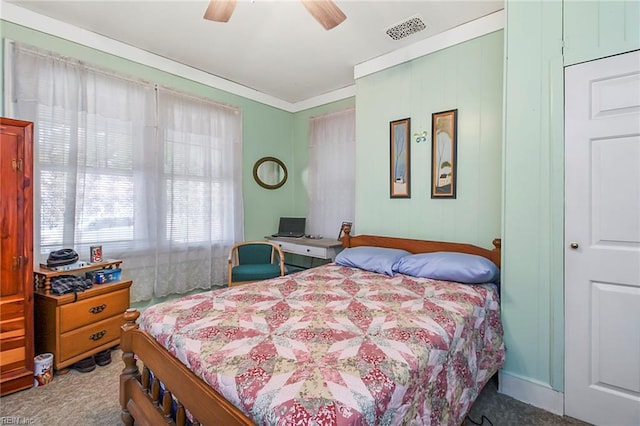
x,y
450,266
375,259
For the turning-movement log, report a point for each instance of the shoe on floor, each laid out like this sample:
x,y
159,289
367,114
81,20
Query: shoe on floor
x,y
85,366
103,358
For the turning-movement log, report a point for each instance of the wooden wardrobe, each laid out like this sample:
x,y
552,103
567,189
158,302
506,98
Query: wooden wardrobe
x,y
16,255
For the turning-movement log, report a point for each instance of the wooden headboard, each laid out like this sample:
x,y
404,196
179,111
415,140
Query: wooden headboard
x,y
422,246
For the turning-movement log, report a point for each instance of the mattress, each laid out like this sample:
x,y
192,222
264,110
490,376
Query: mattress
x,y
339,345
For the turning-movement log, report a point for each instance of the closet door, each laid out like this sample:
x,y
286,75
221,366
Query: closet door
x,y
602,247
16,253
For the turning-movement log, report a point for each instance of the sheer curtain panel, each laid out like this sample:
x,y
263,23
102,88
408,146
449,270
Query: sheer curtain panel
x,y
331,191
109,172
200,180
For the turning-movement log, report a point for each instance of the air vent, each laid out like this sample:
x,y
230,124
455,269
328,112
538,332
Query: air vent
x,y
406,28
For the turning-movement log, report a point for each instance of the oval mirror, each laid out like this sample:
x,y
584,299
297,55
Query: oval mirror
x,y
270,173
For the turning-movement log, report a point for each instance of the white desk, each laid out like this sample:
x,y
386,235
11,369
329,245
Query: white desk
x,y
321,248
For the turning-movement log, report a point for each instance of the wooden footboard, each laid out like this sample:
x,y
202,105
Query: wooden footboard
x,y
165,389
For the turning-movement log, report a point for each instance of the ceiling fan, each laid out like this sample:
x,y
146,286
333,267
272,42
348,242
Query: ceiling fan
x,y
325,11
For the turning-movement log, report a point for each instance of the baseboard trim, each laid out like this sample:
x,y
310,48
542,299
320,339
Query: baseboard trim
x,y
537,394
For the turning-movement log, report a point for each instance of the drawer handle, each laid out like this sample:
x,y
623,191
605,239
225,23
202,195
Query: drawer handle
x,y
97,309
97,336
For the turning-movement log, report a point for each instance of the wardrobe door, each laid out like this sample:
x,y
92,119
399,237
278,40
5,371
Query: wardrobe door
x,y
16,256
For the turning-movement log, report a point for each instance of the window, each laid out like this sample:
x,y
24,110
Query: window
x,y
150,174
331,195
198,143
102,152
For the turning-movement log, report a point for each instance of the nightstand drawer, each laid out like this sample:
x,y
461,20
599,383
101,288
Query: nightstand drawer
x,y
86,338
89,311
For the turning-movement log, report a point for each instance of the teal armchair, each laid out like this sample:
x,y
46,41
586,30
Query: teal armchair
x,y
254,261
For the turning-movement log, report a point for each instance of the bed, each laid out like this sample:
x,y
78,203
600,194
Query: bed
x,y
333,345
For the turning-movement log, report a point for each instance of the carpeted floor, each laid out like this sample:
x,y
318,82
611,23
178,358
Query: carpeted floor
x,y
91,399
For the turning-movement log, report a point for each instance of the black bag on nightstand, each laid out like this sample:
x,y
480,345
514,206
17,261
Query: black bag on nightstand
x,y
62,257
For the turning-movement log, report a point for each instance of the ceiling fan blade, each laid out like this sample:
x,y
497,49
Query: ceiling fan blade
x,y
325,11
220,10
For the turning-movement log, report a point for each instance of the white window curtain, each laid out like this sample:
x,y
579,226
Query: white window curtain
x,y
105,171
331,190
200,176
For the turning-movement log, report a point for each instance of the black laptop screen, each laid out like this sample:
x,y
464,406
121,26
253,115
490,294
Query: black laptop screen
x,y
291,225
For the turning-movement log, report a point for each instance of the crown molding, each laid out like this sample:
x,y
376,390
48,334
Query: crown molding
x,y
336,95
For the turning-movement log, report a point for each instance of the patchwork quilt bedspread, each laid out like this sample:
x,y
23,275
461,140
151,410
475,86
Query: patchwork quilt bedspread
x,y
339,346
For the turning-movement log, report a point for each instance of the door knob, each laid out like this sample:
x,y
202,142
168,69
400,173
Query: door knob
x,y
574,245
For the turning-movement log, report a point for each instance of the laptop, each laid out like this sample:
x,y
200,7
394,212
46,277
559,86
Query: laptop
x,y
291,227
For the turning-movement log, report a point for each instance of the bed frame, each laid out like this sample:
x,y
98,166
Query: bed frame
x,y
422,246
147,396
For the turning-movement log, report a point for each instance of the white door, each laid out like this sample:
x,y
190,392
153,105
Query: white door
x,y
602,240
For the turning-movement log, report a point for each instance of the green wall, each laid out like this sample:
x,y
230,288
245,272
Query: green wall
x,y
532,229
267,131
533,226
467,76
596,29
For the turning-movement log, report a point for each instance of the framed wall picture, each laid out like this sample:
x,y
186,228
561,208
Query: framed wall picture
x,y
443,154
346,226
400,174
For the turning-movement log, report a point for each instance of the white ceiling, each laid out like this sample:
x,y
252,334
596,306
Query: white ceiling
x,y
274,47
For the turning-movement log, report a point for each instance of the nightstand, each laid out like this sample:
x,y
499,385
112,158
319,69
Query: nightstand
x,y
75,326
